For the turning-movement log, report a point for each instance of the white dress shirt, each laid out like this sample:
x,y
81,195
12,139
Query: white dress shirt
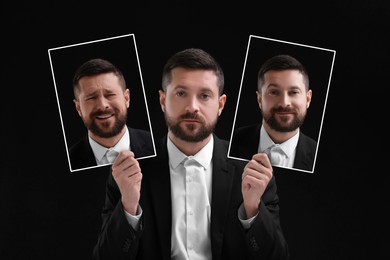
x,y
191,203
288,147
186,233
100,151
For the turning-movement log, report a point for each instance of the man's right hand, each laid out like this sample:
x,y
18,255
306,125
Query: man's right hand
x,y
127,174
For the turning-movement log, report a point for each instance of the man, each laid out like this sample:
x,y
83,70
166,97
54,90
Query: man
x,y
283,96
102,100
191,201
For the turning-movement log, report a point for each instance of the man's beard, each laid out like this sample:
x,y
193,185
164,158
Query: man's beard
x,y
196,135
104,130
296,122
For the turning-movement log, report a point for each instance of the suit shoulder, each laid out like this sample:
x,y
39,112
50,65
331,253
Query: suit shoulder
x,y
79,145
310,142
222,143
245,130
139,131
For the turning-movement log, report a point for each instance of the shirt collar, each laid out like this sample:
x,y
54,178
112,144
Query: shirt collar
x,y
288,146
99,150
204,156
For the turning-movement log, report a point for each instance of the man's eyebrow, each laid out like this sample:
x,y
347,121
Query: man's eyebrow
x,y
91,93
108,91
272,85
180,87
278,86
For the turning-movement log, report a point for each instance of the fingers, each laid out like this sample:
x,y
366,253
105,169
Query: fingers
x,y
263,159
259,167
127,174
255,178
123,157
125,166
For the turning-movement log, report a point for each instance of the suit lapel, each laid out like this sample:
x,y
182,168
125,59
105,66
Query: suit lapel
x,y
221,191
137,143
89,156
301,157
161,196
253,142
160,188
85,156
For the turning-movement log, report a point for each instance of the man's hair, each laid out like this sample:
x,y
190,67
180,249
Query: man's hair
x,y
192,59
95,67
282,62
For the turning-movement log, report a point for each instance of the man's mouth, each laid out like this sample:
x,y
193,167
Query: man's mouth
x,y
104,116
191,121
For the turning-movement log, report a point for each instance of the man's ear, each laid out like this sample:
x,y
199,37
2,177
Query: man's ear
x,y
308,98
259,98
162,99
221,103
127,97
77,106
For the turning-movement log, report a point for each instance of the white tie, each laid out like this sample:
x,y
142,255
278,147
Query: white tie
x,y
276,155
111,155
198,211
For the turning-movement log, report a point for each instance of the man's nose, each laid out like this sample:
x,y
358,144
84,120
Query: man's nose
x,y
193,104
285,100
102,103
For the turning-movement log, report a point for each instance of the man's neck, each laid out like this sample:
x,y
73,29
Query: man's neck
x,y
279,137
108,142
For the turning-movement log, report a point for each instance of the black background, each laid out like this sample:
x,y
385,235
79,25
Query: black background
x,y
339,212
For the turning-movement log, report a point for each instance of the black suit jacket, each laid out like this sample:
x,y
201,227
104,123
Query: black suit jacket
x,y
152,238
81,154
245,142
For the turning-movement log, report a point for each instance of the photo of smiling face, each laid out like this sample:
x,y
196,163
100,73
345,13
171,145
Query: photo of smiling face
x,y
102,102
284,100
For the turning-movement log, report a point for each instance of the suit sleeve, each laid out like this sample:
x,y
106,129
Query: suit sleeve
x,y
117,238
265,239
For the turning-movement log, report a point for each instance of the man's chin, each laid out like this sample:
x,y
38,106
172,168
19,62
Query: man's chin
x,y
191,139
104,133
284,121
285,128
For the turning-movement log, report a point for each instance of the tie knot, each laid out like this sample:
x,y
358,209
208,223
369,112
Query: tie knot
x,y
276,154
276,148
111,155
190,161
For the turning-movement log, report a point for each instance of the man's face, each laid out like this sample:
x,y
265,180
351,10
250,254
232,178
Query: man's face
x,y
191,104
283,100
102,104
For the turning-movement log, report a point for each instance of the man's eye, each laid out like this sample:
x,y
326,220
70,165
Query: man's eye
x,y
180,94
205,96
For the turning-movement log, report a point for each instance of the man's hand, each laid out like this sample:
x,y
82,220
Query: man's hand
x,y
127,174
256,176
